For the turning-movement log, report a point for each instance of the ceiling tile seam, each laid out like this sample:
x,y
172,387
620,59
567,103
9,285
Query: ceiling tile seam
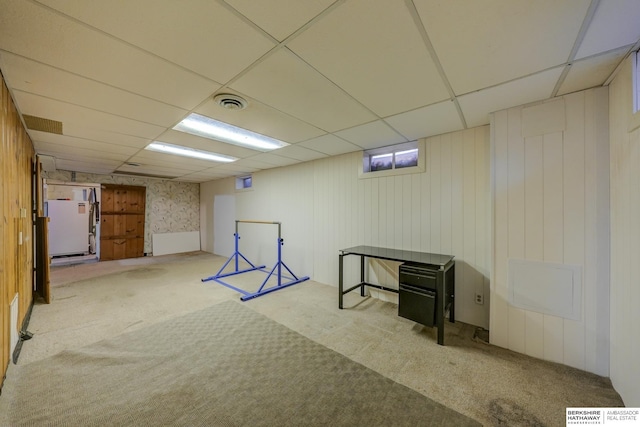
x,y
244,95
90,140
124,42
291,36
97,110
632,49
413,11
54,146
306,148
456,103
279,45
379,119
96,81
560,81
347,94
627,48
512,80
267,164
329,134
586,22
248,21
128,159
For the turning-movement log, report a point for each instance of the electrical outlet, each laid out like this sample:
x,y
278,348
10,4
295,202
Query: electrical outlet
x,y
479,299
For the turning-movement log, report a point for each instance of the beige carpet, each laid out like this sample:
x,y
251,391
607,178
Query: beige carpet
x,y
492,385
222,366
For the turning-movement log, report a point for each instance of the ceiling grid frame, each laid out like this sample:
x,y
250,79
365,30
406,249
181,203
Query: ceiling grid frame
x,y
592,57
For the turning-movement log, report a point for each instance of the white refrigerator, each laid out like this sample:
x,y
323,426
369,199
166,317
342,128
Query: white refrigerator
x,y
68,227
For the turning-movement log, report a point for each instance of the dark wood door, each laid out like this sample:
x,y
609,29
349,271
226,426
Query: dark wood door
x,y
122,210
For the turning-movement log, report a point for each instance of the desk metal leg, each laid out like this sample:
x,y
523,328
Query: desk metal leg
x,y
362,275
440,287
340,284
452,316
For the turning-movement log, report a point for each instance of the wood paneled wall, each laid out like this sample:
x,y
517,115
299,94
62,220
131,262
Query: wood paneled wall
x,y
324,206
625,238
16,255
550,195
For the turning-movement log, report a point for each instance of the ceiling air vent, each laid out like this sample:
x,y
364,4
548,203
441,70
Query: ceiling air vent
x,y
230,102
42,125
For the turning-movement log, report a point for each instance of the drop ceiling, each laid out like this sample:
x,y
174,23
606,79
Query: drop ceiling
x,y
328,77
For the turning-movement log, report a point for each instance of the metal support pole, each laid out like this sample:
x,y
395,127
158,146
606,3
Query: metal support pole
x,y
340,281
280,243
236,238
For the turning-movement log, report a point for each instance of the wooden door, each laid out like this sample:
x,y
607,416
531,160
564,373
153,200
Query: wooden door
x,y
122,210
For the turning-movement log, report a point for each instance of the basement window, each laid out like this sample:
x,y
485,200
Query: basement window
x,y
393,160
244,182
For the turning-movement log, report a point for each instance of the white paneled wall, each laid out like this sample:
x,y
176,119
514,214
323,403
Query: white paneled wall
x,y
550,204
444,210
324,206
625,239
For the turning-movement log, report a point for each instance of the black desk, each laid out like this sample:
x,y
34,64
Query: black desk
x,y
443,265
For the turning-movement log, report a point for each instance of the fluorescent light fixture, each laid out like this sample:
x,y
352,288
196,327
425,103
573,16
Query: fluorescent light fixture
x,y
207,127
163,147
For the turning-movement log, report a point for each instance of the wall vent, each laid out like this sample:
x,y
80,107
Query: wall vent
x,y
42,124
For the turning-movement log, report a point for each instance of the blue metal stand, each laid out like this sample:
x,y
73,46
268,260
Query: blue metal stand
x,y
278,266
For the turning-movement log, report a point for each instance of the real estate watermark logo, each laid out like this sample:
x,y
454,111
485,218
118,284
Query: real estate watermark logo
x,y
603,416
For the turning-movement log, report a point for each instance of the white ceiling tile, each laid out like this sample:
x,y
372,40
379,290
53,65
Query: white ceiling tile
x,y
70,153
202,35
198,178
591,72
44,138
300,153
371,135
274,159
68,113
427,121
205,175
87,165
35,78
147,158
240,167
477,106
280,18
614,24
249,163
262,119
154,170
74,47
484,43
100,135
330,145
235,169
288,84
381,60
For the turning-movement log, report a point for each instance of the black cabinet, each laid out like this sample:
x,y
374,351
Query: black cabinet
x,y
417,304
418,296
